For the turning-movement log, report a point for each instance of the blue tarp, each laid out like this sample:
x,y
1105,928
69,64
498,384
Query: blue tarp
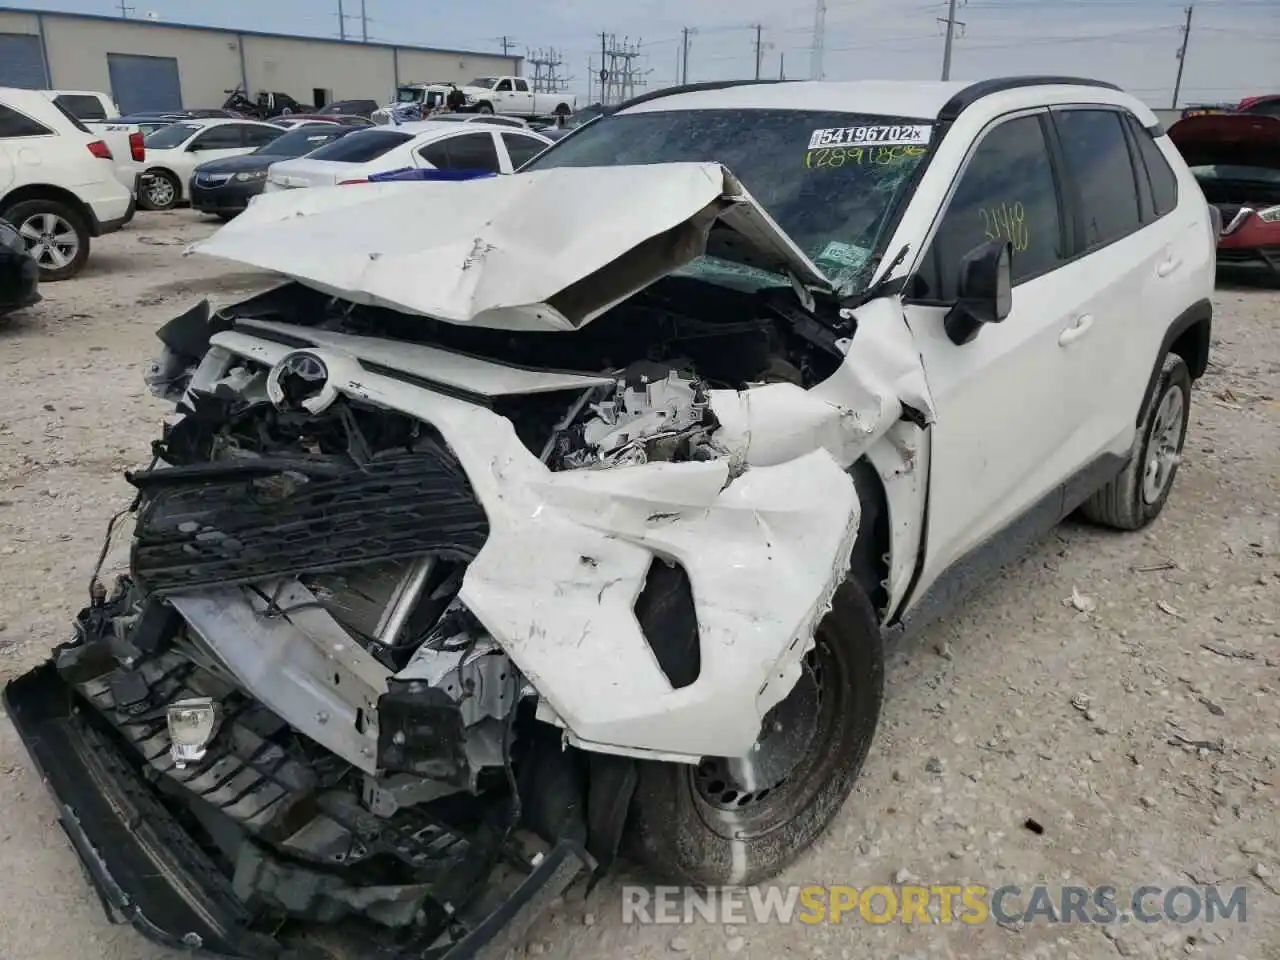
x,y
413,173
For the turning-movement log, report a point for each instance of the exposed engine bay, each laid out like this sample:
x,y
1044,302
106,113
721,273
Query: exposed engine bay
x,y
408,600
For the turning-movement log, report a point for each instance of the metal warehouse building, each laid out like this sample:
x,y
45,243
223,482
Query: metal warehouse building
x,y
150,65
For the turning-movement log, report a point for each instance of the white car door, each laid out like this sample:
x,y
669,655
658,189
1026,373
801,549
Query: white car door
x,y
521,102
1007,402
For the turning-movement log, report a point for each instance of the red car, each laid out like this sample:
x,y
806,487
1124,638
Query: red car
x,y
1236,160
1267,105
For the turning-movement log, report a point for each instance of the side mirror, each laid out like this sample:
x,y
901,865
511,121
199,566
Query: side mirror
x,y
986,291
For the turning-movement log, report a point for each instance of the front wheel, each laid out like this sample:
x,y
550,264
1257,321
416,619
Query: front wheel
x,y
1136,497
55,236
741,821
160,192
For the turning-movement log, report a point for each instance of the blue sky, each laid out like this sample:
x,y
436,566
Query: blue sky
x,y
1131,42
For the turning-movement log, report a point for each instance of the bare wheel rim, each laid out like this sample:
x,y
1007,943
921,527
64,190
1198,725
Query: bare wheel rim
x,y
51,240
160,191
788,733
1164,446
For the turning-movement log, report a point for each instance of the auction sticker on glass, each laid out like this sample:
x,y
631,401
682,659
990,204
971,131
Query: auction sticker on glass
x,y
883,135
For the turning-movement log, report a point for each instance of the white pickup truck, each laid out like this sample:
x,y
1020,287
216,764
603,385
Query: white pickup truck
x,y
100,115
514,97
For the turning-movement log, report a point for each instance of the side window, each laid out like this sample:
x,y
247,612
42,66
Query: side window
x,y
521,148
1098,158
522,86
15,124
224,137
260,136
1006,192
504,86
1164,183
468,151
81,106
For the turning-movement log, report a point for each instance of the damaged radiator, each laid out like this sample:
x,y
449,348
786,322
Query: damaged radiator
x,y
237,522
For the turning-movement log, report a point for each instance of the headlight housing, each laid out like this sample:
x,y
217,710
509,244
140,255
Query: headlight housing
x,y
252,175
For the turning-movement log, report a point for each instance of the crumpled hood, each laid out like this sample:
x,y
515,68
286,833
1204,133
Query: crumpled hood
x,y
545,250
1232,138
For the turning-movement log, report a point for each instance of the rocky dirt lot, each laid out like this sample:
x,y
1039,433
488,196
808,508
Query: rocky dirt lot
x,y
1122,692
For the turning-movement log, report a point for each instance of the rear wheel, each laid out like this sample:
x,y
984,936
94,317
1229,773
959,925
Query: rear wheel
x,y
1136,497
55,235
161,192
484,108
741,821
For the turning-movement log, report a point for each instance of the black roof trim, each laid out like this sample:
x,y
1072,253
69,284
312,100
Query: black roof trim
x,y
690,88
1156,130
985,88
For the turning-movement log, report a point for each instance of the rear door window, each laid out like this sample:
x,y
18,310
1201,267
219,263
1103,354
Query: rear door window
x,y
1164,182
467,151
224,137
1099,163
361,146
261,136
1007,191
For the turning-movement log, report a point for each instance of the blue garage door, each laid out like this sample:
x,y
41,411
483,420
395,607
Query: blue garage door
x,y
21,64
144,83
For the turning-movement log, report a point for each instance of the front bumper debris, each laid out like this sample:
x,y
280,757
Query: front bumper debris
x,y
150,873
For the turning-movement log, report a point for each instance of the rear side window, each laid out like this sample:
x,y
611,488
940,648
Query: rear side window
x,y
1098,159
82,106
1006,192
1164,183
522,148
15,124
468,151
361,146
222,137
261,136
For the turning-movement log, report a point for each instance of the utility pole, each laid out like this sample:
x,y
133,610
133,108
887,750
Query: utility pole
x,y
951,23
759,48
819,40
684,55
507,44
782,65
342,22
124,10
364,24
1182,57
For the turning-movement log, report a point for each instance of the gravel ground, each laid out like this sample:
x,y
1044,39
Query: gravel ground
x,y
980,732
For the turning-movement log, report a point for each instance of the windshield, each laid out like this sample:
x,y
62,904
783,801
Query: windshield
x,y
408,95
300,142
1231,171
173,135
487,82
829,179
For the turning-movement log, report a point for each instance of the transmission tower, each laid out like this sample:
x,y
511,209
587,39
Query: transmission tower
x,y
620,74
546,70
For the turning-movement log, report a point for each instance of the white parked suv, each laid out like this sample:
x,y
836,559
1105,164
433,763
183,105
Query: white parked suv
x,y
173,152
603,483
58,183
425,145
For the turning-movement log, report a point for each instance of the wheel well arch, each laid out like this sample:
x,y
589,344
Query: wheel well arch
x,y
1189,336
47,191
869,562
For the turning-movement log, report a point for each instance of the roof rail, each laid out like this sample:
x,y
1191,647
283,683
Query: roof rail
x,y
985,88
689,88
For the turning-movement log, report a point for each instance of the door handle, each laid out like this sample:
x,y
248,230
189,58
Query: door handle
x,y
1168,267
1074,333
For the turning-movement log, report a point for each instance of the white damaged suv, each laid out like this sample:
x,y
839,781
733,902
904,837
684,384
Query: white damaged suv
x,y
598,486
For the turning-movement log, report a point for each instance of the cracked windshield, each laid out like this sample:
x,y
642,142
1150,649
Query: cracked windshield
x,y
828,178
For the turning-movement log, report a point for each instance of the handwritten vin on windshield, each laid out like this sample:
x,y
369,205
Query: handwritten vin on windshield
x,y
901,135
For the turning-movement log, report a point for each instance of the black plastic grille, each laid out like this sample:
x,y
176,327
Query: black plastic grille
x,y
236,523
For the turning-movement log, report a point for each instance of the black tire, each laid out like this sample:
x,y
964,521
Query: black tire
x,y
484,107
61,241
226,217
162,193
1136,497
682,837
